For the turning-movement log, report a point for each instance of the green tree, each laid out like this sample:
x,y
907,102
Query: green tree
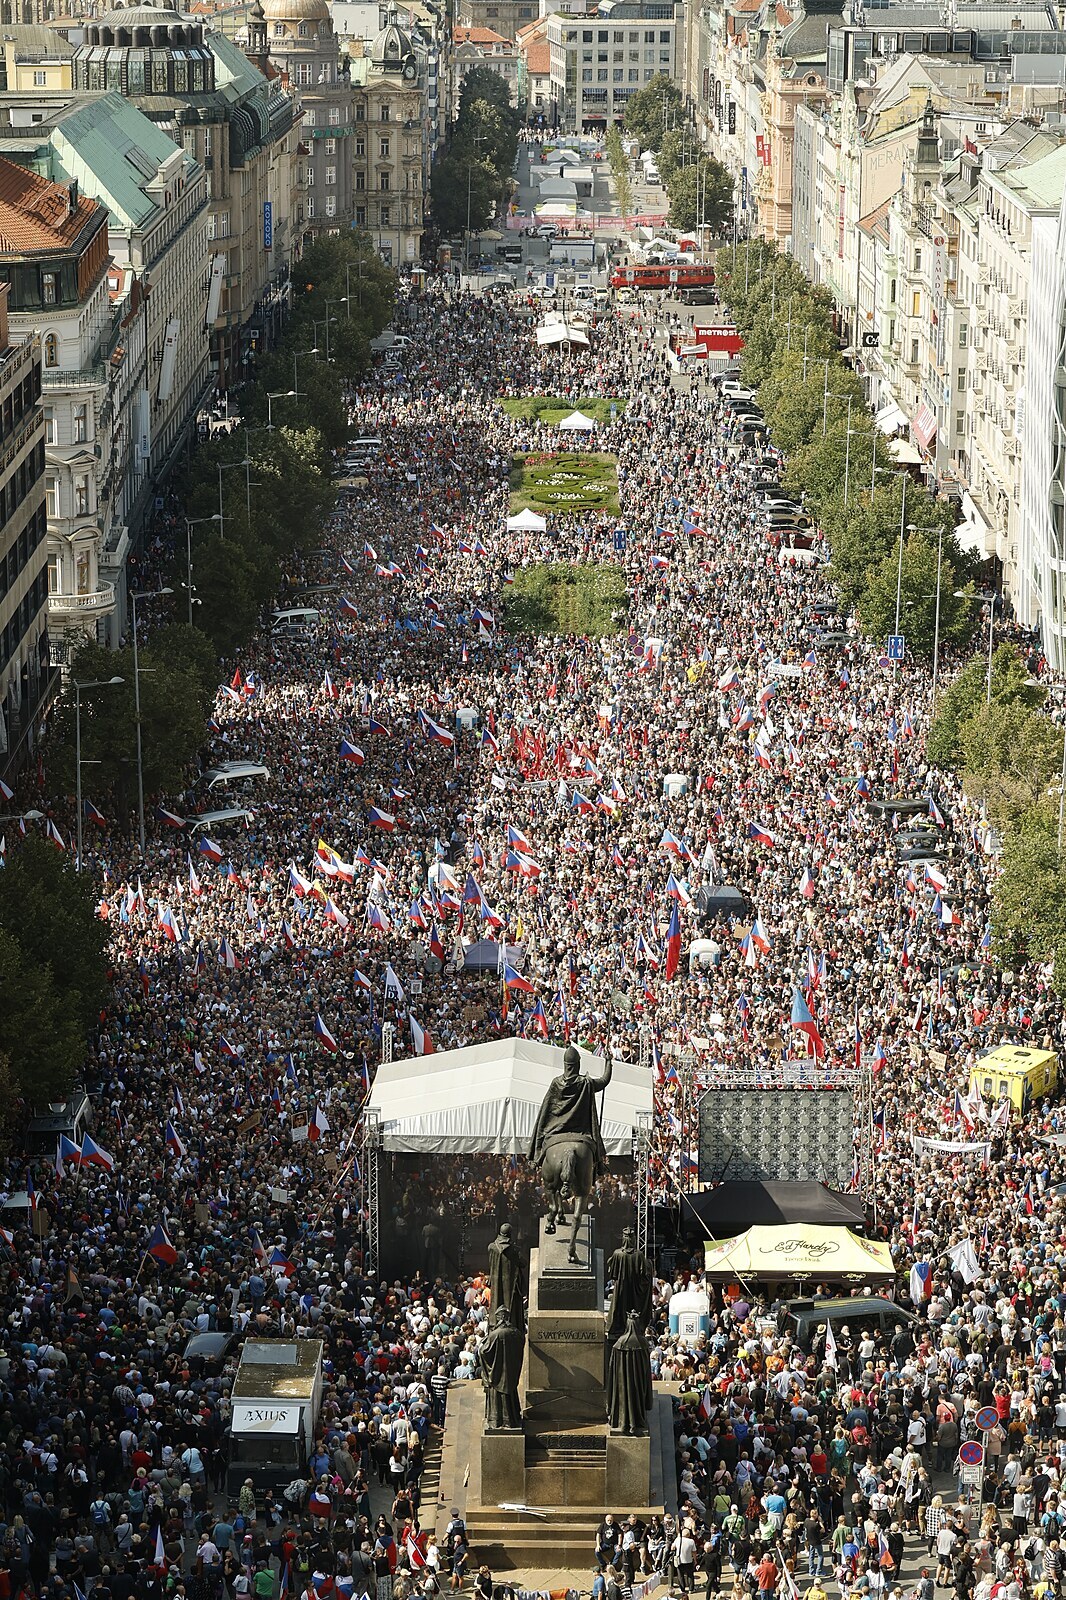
x,y
463,186
966,693
39,1036
1010,755
917,591
653,110
232,588
619,163
701,196
50,910
755,271
1029,897
172,723
186,649
484,85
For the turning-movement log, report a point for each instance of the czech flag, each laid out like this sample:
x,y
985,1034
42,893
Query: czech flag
x,y
421,1042
761,834
210,849
921,1282
806,884
95,1155
352,753
318,1125
160,1246
515,980
92,815
673,943
172,1141
322,1032
381,819
802,1020
171,819
538,1019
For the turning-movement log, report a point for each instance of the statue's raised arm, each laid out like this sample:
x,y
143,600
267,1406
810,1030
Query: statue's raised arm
x,y
567,1143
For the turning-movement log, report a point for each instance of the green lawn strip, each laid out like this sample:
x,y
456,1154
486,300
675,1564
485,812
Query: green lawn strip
x,y
566,598
564,482
552,408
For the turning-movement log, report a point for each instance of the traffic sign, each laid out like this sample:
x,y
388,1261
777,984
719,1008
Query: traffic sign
x,y
895,646
619,539
987,1418
971,1454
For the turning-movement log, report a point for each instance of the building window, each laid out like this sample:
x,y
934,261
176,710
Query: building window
x,y
334,116
40,80
54,576
207,142
360,216
331,147
386,111
617,75
383,150
331,205
49,425
81,495
916,303
386,216
303,31
360,181
48,288
917,261
586,75
914,352
83,572
53,498
81,424
383,182
360,112
51,350
360,146
964,336
331,176
310,206
279,30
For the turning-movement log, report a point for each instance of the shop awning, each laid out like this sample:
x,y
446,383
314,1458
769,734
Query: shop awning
x,y
799,1250
904,453
890,417
923,426
971,537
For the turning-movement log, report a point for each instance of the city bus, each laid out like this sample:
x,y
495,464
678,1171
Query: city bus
x,y
682,276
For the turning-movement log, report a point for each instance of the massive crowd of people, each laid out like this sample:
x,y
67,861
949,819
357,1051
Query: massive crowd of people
x,y
434,780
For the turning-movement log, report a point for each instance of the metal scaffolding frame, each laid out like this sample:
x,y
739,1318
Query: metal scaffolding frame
x,y
642,1136
371,1141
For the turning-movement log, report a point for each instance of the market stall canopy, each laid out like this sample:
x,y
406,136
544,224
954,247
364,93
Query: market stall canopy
x,y
526,521
485,1098
561,333
577,422
799,1250
484,956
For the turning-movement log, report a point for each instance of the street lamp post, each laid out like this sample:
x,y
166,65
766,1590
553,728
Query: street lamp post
x,y
279,394
231,466
899,564
988,674
936,624
143,594
295,357
190,522
79,690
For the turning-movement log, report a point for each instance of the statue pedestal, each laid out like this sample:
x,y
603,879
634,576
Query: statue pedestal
x,y
564,1377
628,1468
503,1464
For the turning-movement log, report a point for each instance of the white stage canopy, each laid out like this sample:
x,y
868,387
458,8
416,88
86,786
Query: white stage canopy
x,y
561,333
526,521
577,422
485,1098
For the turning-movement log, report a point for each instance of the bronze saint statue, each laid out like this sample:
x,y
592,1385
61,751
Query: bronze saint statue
x,y
505,1277
629,1391
567,1143
501,1372
630,1272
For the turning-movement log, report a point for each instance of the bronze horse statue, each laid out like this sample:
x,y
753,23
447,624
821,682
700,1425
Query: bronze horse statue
x,y
567,1144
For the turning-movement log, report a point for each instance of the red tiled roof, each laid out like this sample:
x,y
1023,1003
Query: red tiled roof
x,y
35,214
538,56
784,16
477,36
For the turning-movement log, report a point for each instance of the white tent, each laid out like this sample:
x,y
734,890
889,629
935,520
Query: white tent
x,y
577,422
526,521
561,333
485,1098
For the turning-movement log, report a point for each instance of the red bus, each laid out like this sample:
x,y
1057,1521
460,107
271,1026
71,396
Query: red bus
x,y
682,276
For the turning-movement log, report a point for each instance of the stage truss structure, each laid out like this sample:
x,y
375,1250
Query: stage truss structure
x,y
642,1138
370,1142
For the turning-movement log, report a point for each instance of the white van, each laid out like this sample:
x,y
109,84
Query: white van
x,y
234,772
297,622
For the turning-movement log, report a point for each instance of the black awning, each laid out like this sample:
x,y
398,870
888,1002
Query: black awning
x,y
732,1208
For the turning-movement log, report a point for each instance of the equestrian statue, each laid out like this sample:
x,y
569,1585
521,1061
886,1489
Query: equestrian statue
x,y
567,1143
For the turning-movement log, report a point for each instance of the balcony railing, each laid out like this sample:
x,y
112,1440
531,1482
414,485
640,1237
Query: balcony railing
x,y
83,604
